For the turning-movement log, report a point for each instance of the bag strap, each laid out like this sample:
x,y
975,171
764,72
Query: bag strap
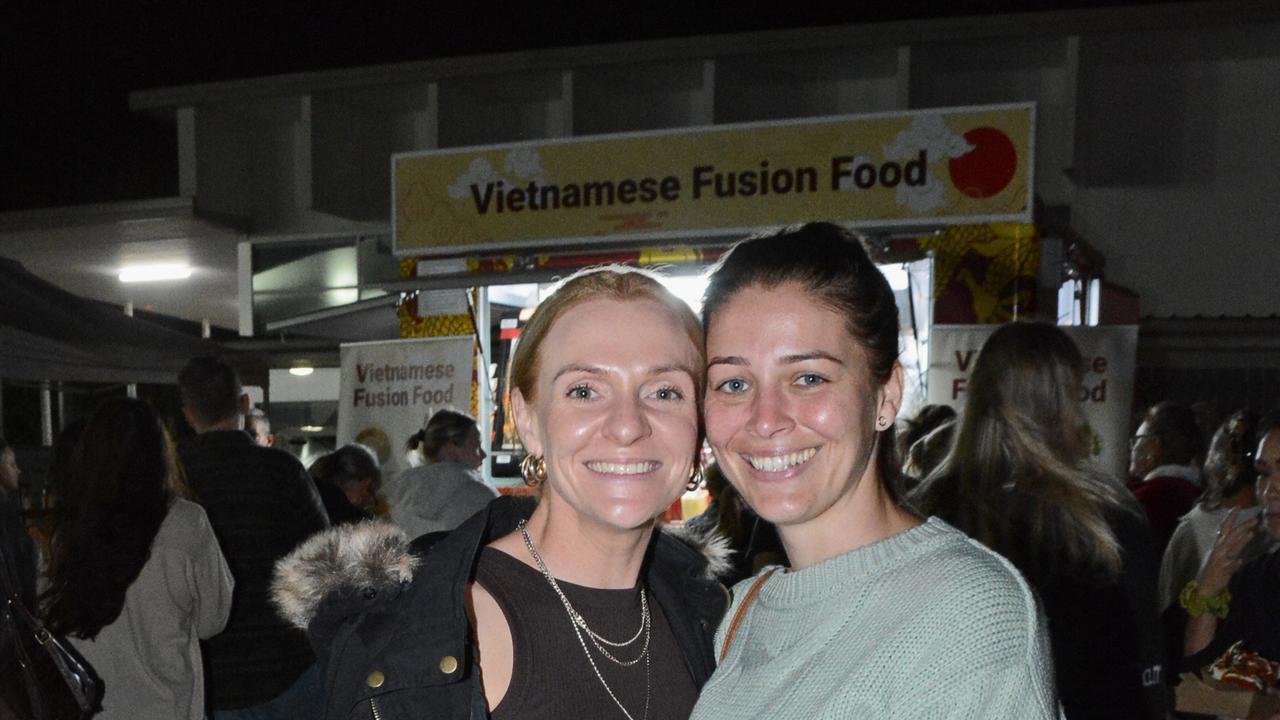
x,y
747,599
8,574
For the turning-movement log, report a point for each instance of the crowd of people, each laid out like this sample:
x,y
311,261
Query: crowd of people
x,y
949,565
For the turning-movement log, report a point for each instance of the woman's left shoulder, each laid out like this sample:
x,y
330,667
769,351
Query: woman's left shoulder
x,y
974,576
185,528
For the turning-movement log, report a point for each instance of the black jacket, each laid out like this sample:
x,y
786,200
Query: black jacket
x,y
388,621
261,504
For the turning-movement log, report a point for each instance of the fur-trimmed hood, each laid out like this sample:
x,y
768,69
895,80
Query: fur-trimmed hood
x,y
376,554
373,553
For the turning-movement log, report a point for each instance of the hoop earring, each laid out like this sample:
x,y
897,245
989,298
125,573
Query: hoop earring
x,y
880,423
533,469
695,478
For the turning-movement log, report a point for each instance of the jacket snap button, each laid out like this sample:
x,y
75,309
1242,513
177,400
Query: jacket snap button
x,y
375,679
448,664
370,593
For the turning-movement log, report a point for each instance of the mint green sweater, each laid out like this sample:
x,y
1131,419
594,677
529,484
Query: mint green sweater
x,y
924,624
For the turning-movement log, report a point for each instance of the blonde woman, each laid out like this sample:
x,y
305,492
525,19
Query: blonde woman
x,y
571,606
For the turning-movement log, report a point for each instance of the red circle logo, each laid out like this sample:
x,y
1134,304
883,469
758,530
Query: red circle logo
x,y
986,169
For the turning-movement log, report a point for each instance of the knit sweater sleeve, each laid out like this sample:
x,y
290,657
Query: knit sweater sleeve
x,y
994,663
1015,683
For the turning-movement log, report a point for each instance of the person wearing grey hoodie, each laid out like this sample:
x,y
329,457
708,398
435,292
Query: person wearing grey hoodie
x,y
448,489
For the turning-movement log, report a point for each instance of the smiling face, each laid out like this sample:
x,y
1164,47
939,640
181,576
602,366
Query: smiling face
x,y
614,413
790,408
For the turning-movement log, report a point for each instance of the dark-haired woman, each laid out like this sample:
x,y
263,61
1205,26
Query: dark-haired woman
x,y
1020,480
348,480
136,575
881,614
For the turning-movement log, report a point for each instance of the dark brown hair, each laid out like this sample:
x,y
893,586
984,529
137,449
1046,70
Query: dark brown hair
x,y
444,427
1018,477
210,389
832,265
122,481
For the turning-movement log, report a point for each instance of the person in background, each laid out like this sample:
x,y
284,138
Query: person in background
x,y
348,480
1164,471
573,604
1019,479
881,614
448,489
258,425
1233,598
261,504
1229,483
136,577
927,453
926,420
13,531
413,450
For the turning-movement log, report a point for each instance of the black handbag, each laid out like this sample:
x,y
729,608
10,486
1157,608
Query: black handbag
x,y
41,676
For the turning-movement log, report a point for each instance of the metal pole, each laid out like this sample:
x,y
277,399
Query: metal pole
x,y
131,390
62,408
46,415
481,318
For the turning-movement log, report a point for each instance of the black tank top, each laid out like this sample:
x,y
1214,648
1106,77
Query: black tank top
x,y
551,678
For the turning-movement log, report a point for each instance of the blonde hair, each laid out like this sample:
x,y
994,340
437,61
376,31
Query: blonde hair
x,y
1018,477
610,282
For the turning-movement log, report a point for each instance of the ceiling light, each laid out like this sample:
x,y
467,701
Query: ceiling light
x,y
152,273
311,428
301,371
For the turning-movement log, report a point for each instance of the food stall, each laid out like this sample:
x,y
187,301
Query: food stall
x,y
483,231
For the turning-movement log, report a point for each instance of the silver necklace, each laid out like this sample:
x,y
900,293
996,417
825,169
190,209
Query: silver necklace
x,y
579,625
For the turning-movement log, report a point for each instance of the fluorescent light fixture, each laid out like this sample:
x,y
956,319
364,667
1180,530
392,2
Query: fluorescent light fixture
x,y
311,428
301,371
152,273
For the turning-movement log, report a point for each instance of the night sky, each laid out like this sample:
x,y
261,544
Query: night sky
x,y
66,68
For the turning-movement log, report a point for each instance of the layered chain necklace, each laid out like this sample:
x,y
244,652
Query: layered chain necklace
x,y
580,628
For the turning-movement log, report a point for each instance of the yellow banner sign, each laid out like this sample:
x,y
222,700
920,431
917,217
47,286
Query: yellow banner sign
x,y
925,167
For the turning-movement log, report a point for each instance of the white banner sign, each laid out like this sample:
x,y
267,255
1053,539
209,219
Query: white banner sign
x,y
393,386
1110,354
